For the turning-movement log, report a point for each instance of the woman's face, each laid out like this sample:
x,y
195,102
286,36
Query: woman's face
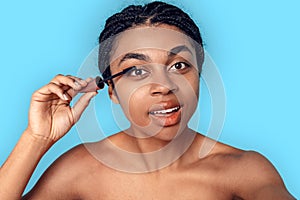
x,y
161,94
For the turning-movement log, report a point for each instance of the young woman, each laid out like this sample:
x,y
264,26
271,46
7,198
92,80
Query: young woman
x,y
160,48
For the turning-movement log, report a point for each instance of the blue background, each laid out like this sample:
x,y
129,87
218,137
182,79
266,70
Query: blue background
x,y
255,45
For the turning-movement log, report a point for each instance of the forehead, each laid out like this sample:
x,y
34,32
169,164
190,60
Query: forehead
x,y
160,38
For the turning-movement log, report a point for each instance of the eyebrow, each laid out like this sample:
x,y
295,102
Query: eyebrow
x,y
173,52
137,56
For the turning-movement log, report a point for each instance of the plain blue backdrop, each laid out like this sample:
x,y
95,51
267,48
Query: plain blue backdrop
x,y
254,43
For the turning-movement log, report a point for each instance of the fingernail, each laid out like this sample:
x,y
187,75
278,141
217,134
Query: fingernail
x,y
76,83
65,97
88,79
83,82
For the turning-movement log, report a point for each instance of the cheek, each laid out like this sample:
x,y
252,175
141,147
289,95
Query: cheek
x,y
194,82
138,110
135,104
194,89
189,95
189,85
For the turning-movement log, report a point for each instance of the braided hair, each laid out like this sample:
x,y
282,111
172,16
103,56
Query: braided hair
x,y
153,13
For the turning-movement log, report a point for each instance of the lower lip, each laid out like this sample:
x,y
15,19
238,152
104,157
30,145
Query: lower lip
x,y
170,119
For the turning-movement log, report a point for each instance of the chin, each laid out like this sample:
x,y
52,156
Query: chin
x,y
168,133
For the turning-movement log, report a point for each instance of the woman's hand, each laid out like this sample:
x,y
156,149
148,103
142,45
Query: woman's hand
x,y
50,114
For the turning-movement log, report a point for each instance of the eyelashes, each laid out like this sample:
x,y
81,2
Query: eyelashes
x,y
179,67
144,71
138,72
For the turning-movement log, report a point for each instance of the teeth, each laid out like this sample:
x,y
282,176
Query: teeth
x,y
167,111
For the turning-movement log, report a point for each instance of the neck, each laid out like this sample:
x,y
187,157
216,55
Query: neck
x,y
157,152
129,154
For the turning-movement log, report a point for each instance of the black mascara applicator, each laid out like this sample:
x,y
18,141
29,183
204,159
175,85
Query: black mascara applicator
x,y
98,82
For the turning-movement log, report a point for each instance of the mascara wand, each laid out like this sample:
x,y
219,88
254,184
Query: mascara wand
x,y
98,82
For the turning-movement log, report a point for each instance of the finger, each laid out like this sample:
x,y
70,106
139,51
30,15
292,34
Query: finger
x,y
90,87
81,104
51,89
74,77
71,81
78,80
89,79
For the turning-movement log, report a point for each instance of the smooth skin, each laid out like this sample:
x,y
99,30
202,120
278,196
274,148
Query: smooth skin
x,y
225,173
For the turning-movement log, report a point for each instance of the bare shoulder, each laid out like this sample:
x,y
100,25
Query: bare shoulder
x,y
250,174
61,179
259,179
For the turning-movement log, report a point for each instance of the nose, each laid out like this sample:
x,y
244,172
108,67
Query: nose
x,y
163,85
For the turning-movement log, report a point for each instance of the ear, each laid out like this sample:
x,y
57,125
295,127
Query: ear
x,y
112,94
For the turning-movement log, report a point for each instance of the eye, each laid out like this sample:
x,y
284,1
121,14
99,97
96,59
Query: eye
x,y
138,72
180,67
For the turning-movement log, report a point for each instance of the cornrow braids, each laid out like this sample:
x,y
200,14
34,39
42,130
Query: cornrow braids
x,y
153,13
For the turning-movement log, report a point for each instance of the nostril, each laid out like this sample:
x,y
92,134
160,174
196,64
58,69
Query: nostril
x,y
155,93
161,90
163,85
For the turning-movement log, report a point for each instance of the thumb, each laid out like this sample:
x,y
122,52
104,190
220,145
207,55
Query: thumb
x,y
81,105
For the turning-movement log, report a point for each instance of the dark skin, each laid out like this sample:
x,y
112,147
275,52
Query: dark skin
x,y
220,175
224,173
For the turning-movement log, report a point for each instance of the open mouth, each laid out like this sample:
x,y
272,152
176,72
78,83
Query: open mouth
x,y
164,112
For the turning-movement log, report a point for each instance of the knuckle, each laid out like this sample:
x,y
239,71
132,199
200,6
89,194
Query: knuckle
x,y
35,93
69,76
52,84
59,76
